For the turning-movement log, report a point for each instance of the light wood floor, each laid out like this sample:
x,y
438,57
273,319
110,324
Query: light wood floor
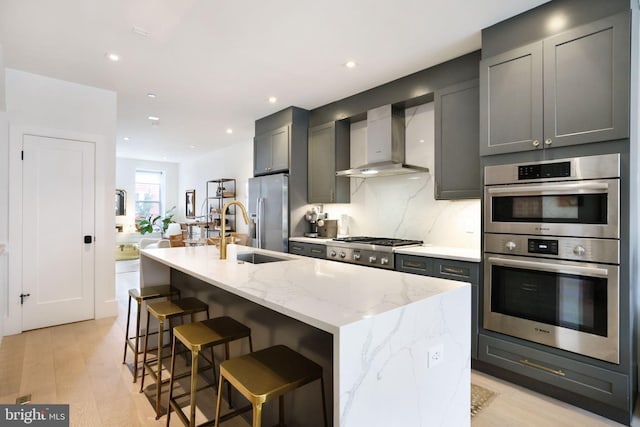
x,y
80,364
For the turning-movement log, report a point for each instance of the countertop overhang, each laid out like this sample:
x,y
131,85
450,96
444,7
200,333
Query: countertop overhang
x,y
325,294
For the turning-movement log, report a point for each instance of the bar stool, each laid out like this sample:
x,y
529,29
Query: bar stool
x,y
197,337
266,374
163,311
140,295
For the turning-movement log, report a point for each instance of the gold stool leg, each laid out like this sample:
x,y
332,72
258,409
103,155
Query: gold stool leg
x,y
226,354
159,374
136,350
257,414
194,387
173,366
126,334
144,357
219,400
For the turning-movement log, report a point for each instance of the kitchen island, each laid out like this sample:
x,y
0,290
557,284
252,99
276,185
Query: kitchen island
x,y
394,346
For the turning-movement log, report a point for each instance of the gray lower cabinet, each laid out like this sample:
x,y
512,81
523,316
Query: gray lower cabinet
x,y
463,271
312,250
271,151
328,152
457,163
601,385
570,88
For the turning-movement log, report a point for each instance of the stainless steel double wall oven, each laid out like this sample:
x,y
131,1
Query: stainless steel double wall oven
x,y
552,253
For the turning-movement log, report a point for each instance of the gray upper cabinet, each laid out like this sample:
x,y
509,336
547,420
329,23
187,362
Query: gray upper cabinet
x,y
271,151
571,88
457,163
328,152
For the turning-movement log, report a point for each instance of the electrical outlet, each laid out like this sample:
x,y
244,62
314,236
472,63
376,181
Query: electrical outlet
x,y
435,355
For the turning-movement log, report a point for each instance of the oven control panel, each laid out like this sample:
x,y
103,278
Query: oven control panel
x,y
361,256
543,246
569,248
544,170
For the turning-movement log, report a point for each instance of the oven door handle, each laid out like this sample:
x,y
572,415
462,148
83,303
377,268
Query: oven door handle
x,y
551,267
600,187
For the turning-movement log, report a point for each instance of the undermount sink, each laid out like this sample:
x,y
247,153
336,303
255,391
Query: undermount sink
x,y
256,258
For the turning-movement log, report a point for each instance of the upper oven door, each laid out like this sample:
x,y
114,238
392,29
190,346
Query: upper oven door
x,y
578,208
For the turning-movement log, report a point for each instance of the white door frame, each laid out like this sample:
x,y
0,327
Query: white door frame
x,y
13,324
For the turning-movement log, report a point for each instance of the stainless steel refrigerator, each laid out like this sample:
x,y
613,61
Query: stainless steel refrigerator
x,y
269,212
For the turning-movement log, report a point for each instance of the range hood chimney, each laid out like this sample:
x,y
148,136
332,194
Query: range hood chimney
x,y
385,146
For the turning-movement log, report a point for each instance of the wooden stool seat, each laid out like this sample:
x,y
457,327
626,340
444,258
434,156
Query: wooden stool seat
x,y
140,295
196,337
266,374
163,311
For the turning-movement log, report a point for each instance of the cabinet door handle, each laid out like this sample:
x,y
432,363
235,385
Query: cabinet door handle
x,y
536,143
548,141
544,368
413,264
455,271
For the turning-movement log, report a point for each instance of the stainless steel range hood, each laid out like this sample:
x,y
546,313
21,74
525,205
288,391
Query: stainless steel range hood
x,y
385,153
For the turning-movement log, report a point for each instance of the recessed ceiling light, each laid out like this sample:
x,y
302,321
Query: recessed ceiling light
x,y
154,118
192,146
113,57
229,130
151,95
350,64
273,99
126,138
421,141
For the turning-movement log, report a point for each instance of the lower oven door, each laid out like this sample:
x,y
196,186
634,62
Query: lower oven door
x,y
568,305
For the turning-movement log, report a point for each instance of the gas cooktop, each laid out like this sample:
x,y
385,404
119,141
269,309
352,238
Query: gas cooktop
x,y
381,241
364,250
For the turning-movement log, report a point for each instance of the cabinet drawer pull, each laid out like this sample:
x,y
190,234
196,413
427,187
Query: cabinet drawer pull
x,y
316,251
453,270
296,248
412,264
544,368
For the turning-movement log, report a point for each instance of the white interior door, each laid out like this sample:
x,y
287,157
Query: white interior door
x,y
58,212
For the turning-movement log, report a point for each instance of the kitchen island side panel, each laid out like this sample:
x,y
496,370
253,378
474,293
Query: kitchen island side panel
x,y
383,373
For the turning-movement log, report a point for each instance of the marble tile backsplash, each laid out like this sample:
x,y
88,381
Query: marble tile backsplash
x,y
404,206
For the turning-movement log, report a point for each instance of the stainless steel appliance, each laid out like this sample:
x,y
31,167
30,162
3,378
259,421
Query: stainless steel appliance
x,y
269,212
370,251
535,291
551,253
571,197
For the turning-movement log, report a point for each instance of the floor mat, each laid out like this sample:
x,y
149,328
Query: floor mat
x,y
480,397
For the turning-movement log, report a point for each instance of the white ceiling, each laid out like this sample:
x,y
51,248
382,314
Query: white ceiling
x,y
213,64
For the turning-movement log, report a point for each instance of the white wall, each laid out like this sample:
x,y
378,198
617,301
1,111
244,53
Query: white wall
x,y
404,206
47,106
235,161
4,197
126,180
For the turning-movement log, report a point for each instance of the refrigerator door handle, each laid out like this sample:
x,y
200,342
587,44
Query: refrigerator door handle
x,y
260,209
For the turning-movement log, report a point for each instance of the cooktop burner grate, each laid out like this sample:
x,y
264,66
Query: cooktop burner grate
x,y
380,241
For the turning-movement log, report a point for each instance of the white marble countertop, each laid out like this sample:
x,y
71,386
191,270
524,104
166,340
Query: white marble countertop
x,y
446,252
322,293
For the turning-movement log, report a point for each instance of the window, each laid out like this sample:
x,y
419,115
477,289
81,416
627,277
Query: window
x,y
149,193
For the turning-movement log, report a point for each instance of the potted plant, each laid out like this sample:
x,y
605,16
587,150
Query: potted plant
x,y
159,223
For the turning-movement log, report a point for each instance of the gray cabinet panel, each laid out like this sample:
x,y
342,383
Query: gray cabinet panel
x,y
586,83
457,161
571,88
328,151
280,150
587,380
511,100
271,151
312,250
